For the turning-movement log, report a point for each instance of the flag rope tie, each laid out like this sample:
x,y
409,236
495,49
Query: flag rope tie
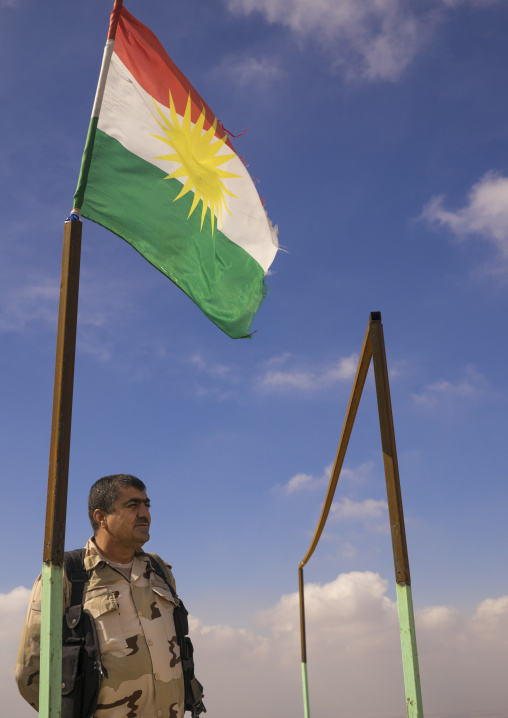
x,y
75,216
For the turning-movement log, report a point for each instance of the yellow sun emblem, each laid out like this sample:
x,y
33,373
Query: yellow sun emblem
x,y
199,161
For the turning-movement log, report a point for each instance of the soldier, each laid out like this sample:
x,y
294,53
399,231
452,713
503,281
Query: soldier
x,y
132,608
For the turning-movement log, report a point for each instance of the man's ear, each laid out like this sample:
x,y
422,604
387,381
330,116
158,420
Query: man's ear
x,y
100,518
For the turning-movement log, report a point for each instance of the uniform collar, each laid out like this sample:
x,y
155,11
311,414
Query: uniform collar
x,y
93,557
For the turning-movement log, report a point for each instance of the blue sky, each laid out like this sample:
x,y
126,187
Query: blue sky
x,y
379,136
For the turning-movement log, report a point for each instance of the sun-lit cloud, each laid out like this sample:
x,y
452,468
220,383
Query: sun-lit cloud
x,y
306,482
473,3
248,71
357,475
308,380
372,40
485,214
32,303
352,636
471,385
103,302
369,40
348,550
30,300
309,482
214,380
216,370
13,606
346,508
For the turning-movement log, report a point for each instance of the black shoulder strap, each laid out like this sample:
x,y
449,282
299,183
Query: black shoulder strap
x,y
74,563
180,612
160,572
193,688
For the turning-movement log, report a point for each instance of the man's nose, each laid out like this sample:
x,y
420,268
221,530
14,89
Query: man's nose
x,y
143,511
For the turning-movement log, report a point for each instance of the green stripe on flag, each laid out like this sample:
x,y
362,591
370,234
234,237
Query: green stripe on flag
x,y
85,162
131,198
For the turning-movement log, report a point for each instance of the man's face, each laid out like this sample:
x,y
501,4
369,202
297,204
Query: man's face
x,y
129,521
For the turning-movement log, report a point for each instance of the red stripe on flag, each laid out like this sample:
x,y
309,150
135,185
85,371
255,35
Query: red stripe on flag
x,y
115,16
148,62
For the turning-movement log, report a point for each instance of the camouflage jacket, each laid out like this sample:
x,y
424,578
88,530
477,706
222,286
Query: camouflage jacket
x,y
137,637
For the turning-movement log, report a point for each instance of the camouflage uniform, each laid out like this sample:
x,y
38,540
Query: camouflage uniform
x,y
137,638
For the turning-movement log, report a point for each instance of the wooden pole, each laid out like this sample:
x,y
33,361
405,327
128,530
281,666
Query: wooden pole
x,y
50,678
400,556
354,401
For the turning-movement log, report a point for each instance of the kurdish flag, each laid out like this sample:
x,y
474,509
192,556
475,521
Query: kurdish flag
x,y
160,171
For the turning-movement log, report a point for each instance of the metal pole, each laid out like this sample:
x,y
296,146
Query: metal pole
x,y
50,678
400,555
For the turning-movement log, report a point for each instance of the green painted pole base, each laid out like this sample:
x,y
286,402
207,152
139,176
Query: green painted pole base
x,y
409,652
50,677
305,686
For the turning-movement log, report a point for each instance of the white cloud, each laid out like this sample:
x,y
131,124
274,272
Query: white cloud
x,y
13,607
105,300
492,617
485,215
474,3
446,393
219,371
307,481
373,39
34,301
348,550
369,40
358,475
400,368
248,71
353,641
436,618
29,301
345,508
301,481
309,380
310,482
221,379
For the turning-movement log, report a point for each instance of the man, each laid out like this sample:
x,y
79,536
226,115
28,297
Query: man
x,y
132,607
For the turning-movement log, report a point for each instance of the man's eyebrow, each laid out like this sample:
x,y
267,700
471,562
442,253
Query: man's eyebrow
x,y
137,501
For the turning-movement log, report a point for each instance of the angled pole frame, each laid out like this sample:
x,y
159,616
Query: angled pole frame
x,y
373,348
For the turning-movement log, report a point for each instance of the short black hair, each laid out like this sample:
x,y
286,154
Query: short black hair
x,y
105,492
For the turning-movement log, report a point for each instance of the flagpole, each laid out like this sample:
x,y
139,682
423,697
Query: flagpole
x,y
50,678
